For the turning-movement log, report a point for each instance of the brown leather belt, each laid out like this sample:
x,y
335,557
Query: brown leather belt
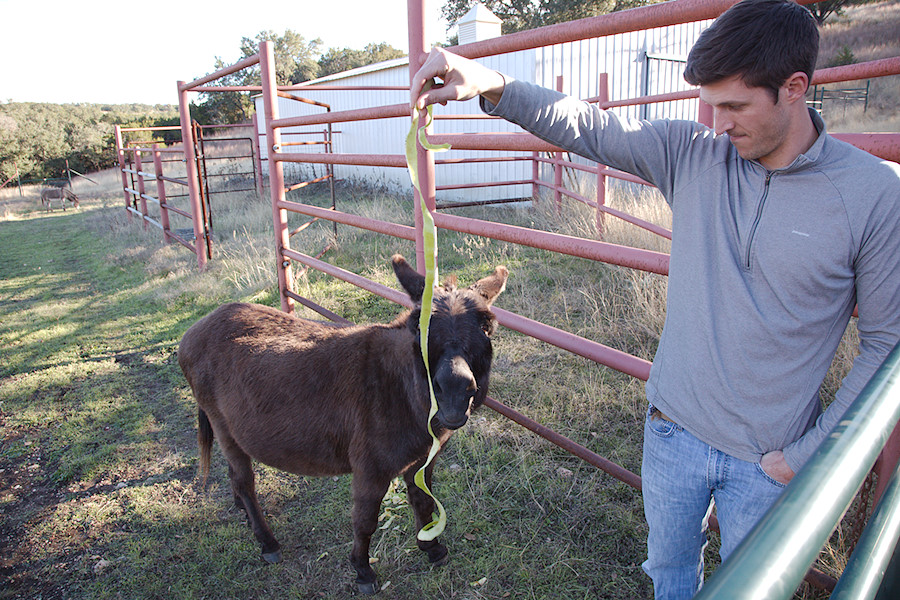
x,y
658,414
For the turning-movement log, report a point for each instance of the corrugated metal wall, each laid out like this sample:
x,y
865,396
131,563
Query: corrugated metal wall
x,y
637,63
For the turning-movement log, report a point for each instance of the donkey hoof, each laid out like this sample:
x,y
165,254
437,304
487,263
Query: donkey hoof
x,y
368,589
440,562
273,558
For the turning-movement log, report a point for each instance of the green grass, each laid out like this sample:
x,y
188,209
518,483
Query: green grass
x,y
100,497
98,490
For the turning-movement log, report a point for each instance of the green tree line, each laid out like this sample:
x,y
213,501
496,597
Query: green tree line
x,y
38,138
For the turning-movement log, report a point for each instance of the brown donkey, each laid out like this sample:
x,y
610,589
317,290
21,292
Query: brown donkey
x,y
317,399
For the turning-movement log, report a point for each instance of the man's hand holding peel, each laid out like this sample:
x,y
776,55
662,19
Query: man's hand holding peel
x,y
463,79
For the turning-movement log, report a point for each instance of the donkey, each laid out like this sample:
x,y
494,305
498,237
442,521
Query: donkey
x,y
61,194
320,399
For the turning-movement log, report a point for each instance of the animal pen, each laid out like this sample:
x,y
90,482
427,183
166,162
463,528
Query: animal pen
x,y
513,147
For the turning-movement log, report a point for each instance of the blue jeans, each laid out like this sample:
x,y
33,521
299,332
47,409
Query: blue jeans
x,y
682,478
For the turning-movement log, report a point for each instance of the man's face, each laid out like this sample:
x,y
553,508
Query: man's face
x,y
755,123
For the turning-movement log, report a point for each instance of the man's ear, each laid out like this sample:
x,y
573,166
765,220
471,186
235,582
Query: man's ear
x,y
795,86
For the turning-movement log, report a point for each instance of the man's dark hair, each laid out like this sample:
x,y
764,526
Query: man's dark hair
x,y
762,41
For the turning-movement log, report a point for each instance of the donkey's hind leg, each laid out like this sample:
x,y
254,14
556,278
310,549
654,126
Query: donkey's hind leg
x,y
423,506
243,486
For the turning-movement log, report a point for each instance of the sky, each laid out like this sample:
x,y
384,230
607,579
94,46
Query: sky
x,y
110,53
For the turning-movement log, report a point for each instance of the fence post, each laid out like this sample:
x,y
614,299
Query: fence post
x,y
190,165
138,166
161,193
257,157
276,175
120,152
603,94
417,54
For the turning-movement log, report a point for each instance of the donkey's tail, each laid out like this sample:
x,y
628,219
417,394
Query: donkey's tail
x,y
204,441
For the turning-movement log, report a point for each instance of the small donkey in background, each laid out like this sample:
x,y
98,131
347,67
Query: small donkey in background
x,y
318,399
63,194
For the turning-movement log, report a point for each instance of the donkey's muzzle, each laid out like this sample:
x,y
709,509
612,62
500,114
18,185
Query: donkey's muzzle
x,y
454,389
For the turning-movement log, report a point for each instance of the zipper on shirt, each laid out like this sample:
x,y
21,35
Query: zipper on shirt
x,y
759,210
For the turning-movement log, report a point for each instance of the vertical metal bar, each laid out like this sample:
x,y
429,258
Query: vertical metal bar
x,y
603,94
535,177
557,167
203,186
140,186
161,193
190,165
276,175
329,148
417,54
120,152
254,153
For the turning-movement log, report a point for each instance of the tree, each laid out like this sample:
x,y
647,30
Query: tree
x,y
295,61
520,15
338,61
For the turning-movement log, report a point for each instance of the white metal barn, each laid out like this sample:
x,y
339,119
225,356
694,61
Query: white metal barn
x,y
638,63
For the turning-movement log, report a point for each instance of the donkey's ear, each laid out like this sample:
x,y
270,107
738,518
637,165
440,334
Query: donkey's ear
x,y
491,286
409,278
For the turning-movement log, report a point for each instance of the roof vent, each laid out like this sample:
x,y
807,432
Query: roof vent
x,y
478,24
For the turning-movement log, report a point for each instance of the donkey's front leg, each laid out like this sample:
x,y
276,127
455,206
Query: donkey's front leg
x,y
368,492
424,507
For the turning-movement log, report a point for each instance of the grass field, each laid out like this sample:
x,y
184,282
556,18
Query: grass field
x,y
98,490
99,496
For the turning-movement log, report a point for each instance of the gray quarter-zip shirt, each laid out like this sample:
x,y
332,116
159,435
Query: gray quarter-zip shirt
x,y
765,270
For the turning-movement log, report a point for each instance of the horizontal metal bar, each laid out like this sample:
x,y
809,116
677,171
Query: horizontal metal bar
x,y
620,473
173,180
300,87
317,308
646,17
241,64
465,186
341,116
183,241
651,227
153,222
149,150
485,159
159,128
357,280
635,258
399,231
177,210
303,184
151,198
616,359
370,160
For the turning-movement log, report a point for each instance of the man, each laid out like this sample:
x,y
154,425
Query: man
x,y
779,231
